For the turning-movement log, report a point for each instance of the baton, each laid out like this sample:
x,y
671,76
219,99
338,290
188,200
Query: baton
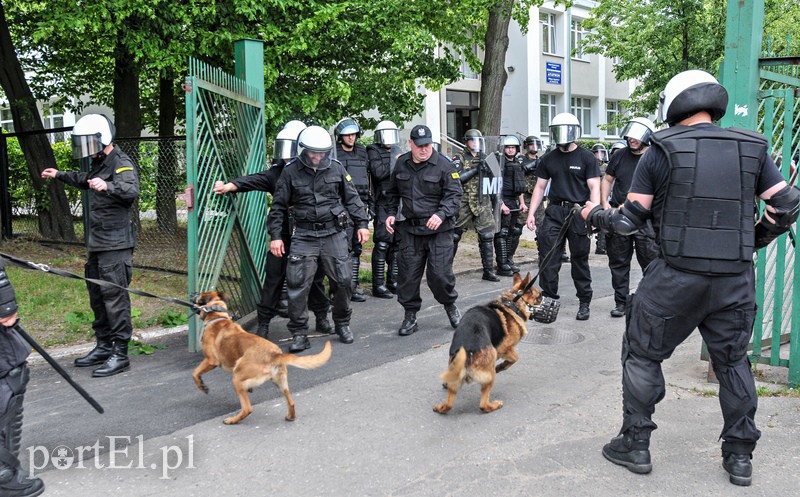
x,y
38,348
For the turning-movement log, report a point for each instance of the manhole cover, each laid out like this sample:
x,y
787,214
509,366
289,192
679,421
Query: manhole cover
x,y
550,336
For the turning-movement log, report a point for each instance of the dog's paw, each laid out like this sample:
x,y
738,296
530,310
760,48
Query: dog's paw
x,y
230,421
442,408
289,418
203,388
492,406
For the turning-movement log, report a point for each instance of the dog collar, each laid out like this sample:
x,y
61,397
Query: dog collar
x,y
514,308
208,323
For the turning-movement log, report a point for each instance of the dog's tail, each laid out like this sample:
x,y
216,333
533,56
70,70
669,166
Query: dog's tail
x,y
308,361
456,370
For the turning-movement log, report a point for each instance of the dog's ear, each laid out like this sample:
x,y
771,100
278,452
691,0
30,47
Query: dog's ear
x,y
201,299
222,296
517,282
523,281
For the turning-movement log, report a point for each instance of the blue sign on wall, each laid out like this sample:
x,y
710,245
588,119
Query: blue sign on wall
x,y
552,73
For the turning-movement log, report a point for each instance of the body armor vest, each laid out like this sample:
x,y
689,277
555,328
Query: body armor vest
x,y
707,224
382,186
513,177
356,163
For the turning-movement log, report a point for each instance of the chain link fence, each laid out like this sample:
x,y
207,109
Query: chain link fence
x,y
162,215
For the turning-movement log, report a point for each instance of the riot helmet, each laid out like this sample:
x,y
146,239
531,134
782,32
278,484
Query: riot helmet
x,y
510,141
690,92
564,130
314,147
639,128
91,134
285,146
386,133
617,145
346,126
533,144
600,152
474,142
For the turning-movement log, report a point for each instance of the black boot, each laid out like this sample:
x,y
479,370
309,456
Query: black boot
x,y
739,468
117,363
453,314
485,248
98,355
501,256
631,450
513,243
18,483
323,325
263,329
379,288
299,343
391,262
345,335
358,295
409,325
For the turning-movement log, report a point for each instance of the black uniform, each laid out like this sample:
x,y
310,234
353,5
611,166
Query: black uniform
x,y
704,275
425,189
620,248
14,377
568,174
506,240
356,163
323,202
381,165
266,181
110,242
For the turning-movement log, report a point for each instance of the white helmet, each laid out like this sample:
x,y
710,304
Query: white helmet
x,y
314,139
564,129
510,141
91,134
639,128
285,145
690,92
295,126
386,133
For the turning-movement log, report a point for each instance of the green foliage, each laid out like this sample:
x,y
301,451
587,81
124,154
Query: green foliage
x,y
23,194
135,347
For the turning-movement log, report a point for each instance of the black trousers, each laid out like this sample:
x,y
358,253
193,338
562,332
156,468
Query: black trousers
x,y
668,305
577,237
620,249
111,305
307,255
429,254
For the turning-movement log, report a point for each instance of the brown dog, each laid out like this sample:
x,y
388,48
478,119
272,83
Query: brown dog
x,y
486,333
252,359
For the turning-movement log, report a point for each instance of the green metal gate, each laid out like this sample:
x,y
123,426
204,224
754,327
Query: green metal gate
x,y
776,336
225,138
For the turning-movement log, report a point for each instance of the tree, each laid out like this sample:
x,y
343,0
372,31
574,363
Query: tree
x,y
55,221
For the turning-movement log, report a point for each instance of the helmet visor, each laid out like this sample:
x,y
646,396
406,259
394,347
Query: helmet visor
x,y
476,144
601,154
86,145
637,131
283,149
561,134
387,137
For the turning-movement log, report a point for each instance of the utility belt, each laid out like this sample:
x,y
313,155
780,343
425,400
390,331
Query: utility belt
x,y
416,221
316,226
563,203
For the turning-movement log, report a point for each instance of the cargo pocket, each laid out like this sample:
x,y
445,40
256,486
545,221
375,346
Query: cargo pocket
x,y
295,271
647,333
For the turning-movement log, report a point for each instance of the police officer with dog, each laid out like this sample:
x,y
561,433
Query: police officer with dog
x,y
427,185
697,183
506,240
324,203
113,185
353,157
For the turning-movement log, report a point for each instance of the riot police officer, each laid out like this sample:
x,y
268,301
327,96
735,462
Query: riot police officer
x,y
506,240
476,208
353,157
427,184
530,161
382,156
574,178
601,154
14,377
284,151
324,203
113,184
704,277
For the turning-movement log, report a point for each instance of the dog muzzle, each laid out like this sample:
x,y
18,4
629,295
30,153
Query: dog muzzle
x,y
546,311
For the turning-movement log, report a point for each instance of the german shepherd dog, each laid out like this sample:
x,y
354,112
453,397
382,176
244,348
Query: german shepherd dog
x,y
488,333
251,358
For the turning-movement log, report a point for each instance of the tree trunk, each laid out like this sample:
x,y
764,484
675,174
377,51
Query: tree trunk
x,y
55,221
167,175
127,111
493,74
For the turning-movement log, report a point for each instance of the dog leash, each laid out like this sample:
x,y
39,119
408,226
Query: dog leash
x,y
60,272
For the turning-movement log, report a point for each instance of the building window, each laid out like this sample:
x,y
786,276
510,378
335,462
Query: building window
x,y
547,111
613,110
53,117
549,39
582,109
467,71
6,121
578,33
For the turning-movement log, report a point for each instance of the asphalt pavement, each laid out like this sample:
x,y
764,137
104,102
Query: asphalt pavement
x,y
365,424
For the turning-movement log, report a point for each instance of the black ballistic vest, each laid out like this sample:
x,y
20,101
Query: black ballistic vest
x,y
356,162
707,225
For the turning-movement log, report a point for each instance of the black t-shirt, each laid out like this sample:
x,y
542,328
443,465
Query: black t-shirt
x,y
621,167
568,173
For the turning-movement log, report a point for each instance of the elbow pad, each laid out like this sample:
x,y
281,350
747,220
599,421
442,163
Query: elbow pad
x,y
625,220
468,174
8,300
786,204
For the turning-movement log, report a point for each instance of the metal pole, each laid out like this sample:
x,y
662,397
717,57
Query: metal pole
x,y
6,229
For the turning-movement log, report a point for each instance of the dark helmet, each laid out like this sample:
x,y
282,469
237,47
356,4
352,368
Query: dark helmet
x,y
346,126
617,145
536,142
599,151
690,92
477,139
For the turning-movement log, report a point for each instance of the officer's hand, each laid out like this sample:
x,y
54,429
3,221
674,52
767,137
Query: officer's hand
x,y
363,236
276,247
505,210
531,222
587,209
98,184
434,222
390,225
48,173
221,187
9,321
523,207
